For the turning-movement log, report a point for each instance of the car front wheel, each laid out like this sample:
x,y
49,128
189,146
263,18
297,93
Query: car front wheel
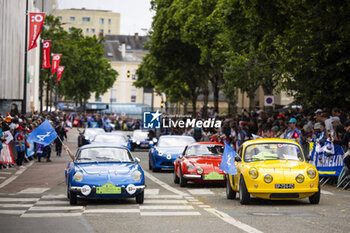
x,y
230,194
176,178
244,196
140,197
73,199
315,199
182,180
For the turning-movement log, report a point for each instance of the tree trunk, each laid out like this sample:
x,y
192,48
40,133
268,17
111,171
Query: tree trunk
x,y
215,85
185,108
194,107
47,97
84,105
205,101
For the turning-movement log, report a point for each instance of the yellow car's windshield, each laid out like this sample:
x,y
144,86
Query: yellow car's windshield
x,y
272,151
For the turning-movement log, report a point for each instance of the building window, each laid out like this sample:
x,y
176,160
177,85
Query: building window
x,y
60,18
109,21
133,95
102,20
93,30
87,30
86,19
113,97
101,30
133,75
109,31
72,19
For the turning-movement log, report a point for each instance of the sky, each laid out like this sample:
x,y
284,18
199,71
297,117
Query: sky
x,y
135,15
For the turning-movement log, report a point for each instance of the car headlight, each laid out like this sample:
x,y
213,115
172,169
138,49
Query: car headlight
x,y
268,178
311,173
253,173
200,170
300,178
78,176
155,140
190,167
160,153
136,175
138,142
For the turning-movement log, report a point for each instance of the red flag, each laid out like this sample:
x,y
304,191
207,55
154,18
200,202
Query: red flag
x,y
56,58
36,22
46,54
59,72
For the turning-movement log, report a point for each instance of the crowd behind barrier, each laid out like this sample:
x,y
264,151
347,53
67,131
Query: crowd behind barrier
x,y
324,134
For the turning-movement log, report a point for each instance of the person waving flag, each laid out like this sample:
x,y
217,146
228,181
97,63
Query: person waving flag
x,y
44,134
228,160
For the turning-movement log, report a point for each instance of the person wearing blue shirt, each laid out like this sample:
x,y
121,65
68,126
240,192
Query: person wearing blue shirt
x,y
293,132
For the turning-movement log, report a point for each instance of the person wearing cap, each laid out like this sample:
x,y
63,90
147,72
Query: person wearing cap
x,y
293,132
20,146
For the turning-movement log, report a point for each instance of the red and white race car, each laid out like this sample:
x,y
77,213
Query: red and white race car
x,y
200,163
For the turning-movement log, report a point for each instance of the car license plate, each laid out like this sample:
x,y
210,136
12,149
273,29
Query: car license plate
x,y
284,186
213,176
143,145
108,189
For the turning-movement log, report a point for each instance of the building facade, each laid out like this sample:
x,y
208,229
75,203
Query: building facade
x,y
92,22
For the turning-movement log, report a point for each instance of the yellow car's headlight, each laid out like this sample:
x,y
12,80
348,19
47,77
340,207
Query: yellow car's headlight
x,y
268,178
311,173
253,173
300,178
136,175
78,176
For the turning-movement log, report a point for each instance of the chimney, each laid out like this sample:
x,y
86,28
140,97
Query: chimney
x,y
123,50
136,36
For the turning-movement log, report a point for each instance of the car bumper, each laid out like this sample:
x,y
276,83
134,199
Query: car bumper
x,y
93,194
201,179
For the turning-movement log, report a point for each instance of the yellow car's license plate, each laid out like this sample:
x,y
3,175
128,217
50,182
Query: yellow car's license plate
x,y
213,176
284,186
108,188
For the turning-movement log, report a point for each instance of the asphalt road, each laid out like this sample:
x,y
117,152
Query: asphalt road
x,y
32,206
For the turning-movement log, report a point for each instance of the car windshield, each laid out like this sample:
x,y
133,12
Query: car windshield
x,y
105,154
90,133
205,150
175,141
140,135
110,138
273,151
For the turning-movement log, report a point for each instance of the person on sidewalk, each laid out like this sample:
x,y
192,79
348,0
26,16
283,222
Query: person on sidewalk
x,y
20,146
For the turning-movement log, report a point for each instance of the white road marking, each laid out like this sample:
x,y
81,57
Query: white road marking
x,y
12,178
6,173
51,202
151,191
163,196
2,178
49,215
200,191
165,201
164,185
49,208
227,218
166,207
204,206
326,192
12,211
197,203
105,211
33,190
54,196
177,213
16,205
10,199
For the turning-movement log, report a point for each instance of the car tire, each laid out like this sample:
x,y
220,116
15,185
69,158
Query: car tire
x,y
244,196
315,199
182,180
176,178
140,197
150,165
230,194
155,169
73,199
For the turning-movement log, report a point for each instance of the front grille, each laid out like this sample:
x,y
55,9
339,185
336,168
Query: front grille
x,y
284,195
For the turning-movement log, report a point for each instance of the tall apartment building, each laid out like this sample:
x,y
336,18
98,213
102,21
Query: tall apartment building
x,y
92,22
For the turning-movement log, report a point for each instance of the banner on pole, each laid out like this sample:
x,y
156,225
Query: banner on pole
x,y
59,72
46,54
56,59
36,22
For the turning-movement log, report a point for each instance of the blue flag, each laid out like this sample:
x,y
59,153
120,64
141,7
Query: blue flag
x,y
228,160
44,134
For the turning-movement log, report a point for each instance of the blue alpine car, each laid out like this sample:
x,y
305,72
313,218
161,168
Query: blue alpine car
x,y
104,171
165,152
116,139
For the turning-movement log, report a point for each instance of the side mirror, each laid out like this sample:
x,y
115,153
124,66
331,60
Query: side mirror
x,y
238,159
138,160
151,144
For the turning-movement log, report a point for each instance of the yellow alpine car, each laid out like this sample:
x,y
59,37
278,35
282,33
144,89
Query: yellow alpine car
x,y
273,169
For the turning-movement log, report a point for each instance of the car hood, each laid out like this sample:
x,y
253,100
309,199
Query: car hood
x,y
205,160
171,150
